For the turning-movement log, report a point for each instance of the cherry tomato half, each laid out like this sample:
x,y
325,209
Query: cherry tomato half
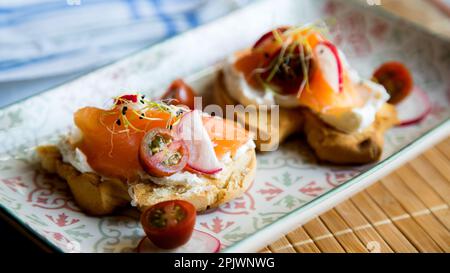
x,y
397,80
161,154
181,93
169,224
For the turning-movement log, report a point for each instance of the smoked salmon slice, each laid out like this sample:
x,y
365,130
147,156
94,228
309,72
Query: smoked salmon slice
x,y
113,150
227,136
110,149
317,94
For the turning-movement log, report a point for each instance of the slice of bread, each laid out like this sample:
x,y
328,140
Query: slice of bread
x,y
94,195
268,136
337,147
329,144
102,196
232,183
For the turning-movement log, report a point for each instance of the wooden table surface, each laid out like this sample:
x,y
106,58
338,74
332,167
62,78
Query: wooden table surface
x,y
407,211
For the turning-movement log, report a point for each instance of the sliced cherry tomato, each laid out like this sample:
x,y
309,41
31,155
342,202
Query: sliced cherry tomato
x,y
397,80
181,94
169,224
161,154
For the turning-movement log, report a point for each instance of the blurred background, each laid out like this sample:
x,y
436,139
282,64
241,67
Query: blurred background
x,y
44,43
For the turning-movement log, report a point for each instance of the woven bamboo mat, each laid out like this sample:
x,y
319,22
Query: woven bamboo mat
x,y
407,211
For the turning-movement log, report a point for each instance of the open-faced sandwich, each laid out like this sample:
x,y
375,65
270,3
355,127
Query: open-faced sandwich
x,y
342,116
145,152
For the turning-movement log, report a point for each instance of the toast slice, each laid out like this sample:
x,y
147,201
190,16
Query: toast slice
x,y
97,195
269,134
232,183
329,144
337,147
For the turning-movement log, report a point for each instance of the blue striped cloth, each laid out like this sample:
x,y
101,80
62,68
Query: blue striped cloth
x,y
40,38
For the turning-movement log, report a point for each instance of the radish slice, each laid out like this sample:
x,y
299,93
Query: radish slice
x,y
200,242
202,157
203,171
414,108
269,35
327,56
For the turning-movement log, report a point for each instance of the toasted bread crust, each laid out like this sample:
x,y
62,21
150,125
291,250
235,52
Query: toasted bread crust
x,y
102,196
329,144
94,195
213,193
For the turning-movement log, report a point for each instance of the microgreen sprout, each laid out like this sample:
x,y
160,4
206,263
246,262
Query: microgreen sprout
x,y
294,44
134,107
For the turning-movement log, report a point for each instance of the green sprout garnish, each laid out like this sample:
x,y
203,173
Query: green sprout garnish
x,y
277,36
288,53
129,110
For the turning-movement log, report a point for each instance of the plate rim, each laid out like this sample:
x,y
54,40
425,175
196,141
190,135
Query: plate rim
x,y
35,237
392,16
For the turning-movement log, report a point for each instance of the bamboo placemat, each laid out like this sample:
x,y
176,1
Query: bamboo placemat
x,y
407,211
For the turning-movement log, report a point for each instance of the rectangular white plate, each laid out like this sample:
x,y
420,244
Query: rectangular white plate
x,y
290,187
